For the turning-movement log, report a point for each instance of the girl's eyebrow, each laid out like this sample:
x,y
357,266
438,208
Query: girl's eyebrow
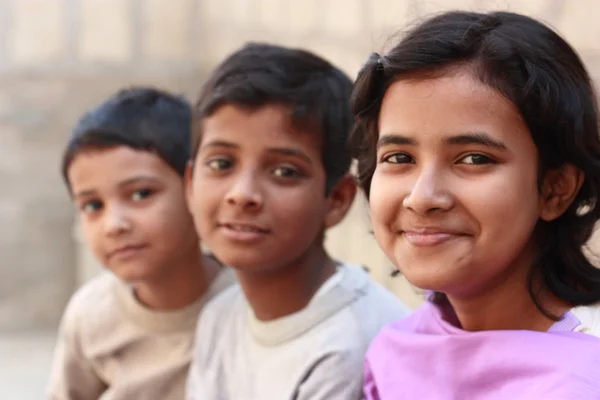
x,y
480,138
395,138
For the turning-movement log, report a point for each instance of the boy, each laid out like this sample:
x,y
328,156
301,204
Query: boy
x,y
268,176
129,334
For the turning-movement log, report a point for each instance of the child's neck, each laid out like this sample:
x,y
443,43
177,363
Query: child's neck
x,y
290,288
180,286
507,306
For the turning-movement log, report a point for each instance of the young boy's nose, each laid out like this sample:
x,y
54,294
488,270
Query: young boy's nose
x,y
116,221
245,193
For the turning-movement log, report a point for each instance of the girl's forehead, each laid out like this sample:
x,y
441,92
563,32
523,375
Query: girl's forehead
x,y
434,109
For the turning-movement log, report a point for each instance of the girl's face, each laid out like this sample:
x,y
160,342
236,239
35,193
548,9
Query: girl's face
x,y
454,197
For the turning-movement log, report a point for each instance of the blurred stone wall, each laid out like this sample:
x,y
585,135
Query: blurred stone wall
x,y
60,57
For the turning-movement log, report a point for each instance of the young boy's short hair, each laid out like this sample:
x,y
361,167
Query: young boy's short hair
x,y
141,118
316,92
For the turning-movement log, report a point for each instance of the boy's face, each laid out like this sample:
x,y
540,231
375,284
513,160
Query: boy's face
x,y
133,213
257,189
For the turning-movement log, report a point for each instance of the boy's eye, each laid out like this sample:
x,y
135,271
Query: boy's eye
x,y
477,159
91,206
286,172
219,163
141,194
397,158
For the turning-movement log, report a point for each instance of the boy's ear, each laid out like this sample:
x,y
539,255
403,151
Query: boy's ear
x,y
560,187
340,199
187,179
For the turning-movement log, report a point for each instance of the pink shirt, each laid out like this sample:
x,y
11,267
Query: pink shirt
x,y
424,357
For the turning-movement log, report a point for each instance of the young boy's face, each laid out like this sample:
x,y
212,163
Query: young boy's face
x,y
132,209
257,189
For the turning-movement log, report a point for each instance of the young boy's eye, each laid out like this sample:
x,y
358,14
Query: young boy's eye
x,y
91,206
477,159
141,194
286,172
219,163
397,158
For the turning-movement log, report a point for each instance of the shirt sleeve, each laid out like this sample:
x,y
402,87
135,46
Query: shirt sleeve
x,y
369,387
72,376
192,386
336,376
204,380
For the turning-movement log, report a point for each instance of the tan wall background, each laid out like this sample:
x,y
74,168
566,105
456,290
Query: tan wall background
x,y
60,57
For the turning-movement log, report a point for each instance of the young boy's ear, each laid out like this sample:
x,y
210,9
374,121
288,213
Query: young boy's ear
x,y
340,199
187,179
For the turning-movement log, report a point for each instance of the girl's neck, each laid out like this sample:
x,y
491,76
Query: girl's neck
x,y
507,306
186,281
290,288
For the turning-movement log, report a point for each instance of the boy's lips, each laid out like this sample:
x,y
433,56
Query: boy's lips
x,y
126,251
243,232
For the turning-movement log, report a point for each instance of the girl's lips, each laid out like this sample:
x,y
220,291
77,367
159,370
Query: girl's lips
x,y
429,239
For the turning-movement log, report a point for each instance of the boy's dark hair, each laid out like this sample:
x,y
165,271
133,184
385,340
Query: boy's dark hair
x,y
545,79
141,118
316,92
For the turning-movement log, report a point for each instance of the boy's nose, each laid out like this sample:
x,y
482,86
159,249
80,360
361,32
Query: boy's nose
x,y
245,193
116,222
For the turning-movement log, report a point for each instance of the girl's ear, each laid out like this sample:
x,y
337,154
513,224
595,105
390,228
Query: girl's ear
x,y
559,189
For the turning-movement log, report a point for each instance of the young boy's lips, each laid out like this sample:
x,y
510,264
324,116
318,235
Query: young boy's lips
x,y
126,252
243,233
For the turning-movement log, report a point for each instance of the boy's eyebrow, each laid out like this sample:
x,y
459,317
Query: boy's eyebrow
x,y
138,179
465,138
126,182
288,151
220,143
84,193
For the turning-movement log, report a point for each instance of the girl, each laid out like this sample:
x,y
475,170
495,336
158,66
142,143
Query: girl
x,y
477,140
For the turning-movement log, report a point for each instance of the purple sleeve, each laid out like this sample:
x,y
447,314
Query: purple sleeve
x,y
369,386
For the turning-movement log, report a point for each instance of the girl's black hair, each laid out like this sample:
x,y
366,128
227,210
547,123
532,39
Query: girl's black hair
x,y
534,68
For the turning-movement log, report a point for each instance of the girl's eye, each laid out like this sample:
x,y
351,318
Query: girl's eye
x,y
286,172
141,194
477,159
397,158
219,164
91,206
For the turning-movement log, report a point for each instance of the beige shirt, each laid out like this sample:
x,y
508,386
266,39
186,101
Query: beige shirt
x,y
314,354
110,347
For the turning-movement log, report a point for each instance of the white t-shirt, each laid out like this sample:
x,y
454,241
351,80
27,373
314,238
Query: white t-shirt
x,y
110,347
314,354
589,317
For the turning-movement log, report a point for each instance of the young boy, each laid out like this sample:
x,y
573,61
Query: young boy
x,y
269,175
129,334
